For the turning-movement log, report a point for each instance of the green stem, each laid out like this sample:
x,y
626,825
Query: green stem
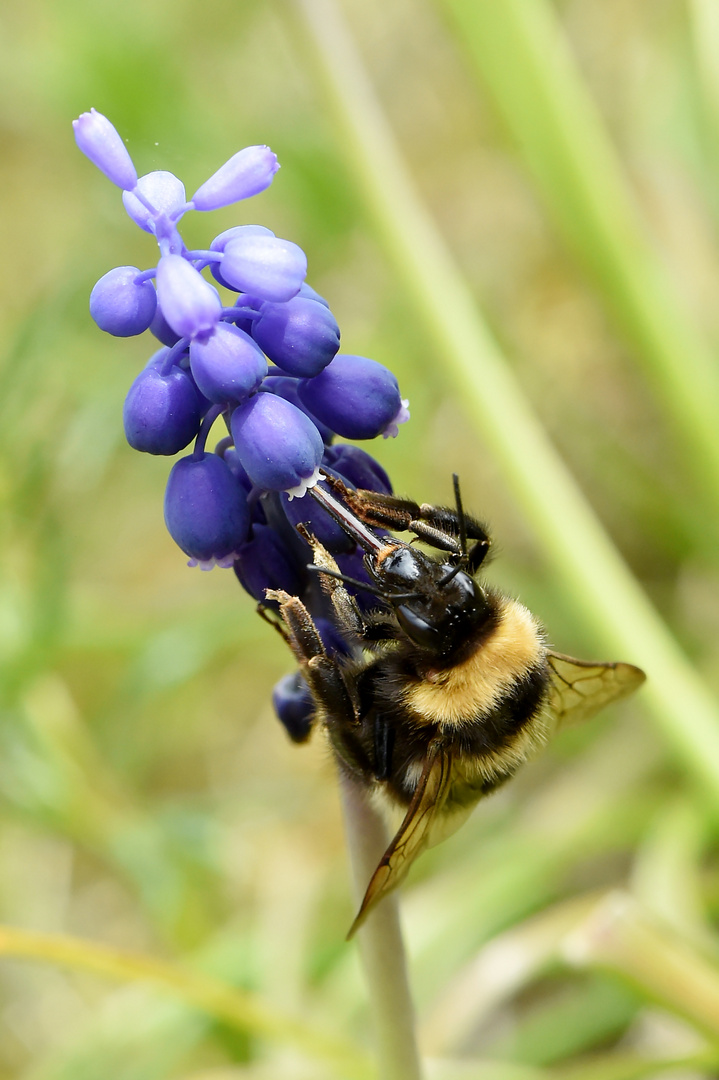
x,y
586,564
238,1008
380,942
520,52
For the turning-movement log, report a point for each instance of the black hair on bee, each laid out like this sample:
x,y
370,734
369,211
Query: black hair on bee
x,y
447,686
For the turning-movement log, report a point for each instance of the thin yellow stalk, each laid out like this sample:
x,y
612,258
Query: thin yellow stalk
x,y
238,1008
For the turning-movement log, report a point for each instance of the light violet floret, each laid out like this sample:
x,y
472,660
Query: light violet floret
x,y
190,305
264,266
102,144
122,303
163,191
278,446
247,173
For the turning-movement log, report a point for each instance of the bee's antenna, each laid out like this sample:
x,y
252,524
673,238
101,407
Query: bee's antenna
x,y
364,585
462,536
460,517
450,576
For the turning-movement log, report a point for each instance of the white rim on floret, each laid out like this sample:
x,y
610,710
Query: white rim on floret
x,y
401,417
224,562
304,485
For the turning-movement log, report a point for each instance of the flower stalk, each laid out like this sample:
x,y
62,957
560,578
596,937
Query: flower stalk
x,y
380,942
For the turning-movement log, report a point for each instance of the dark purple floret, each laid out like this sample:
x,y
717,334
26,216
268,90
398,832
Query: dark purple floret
x,y
266,266
121,305
357,468
301,336
160,329
227,366
357,397
294,706
288,388
311,294
265,562
229,455
279,446
307,512
206,510
162,412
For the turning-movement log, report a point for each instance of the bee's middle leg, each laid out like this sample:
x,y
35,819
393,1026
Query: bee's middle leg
x,y
334,692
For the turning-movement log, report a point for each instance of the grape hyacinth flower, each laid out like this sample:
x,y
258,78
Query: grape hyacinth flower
x,y
257,346
266,358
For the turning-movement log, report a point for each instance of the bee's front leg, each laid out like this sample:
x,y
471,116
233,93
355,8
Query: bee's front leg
x,y
440,526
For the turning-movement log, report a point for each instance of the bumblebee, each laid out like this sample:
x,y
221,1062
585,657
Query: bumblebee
x,y
447,685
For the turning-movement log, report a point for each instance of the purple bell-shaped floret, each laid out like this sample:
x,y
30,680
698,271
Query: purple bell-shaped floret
x,y
206,510
102,144
311,294
162,412
163,190
301,336
160,328
264,266
222,240
190,304
288,388
278,445
228,365
307,512
294,706
264,562
357,468
121,305
357,397
247,173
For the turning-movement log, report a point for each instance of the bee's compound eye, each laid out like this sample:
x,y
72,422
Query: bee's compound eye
x,y
417,629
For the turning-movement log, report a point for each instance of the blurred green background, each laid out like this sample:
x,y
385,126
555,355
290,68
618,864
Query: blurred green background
x,y
148,799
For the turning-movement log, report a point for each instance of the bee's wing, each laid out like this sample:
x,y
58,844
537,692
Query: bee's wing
x,y
413,835
579,688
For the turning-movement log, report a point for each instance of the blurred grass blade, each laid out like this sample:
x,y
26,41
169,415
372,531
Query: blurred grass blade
x,y
232,1006
625,1066
521,54
621,936
501,969
586,564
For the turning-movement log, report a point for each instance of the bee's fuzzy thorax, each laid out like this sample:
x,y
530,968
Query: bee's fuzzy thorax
x,y
459,694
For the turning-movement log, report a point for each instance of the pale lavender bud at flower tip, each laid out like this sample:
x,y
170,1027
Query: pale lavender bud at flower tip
x,y
191,305
247,173
101,143
162,189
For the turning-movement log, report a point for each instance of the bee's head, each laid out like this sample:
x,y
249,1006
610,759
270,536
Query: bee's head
x,y
437,605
